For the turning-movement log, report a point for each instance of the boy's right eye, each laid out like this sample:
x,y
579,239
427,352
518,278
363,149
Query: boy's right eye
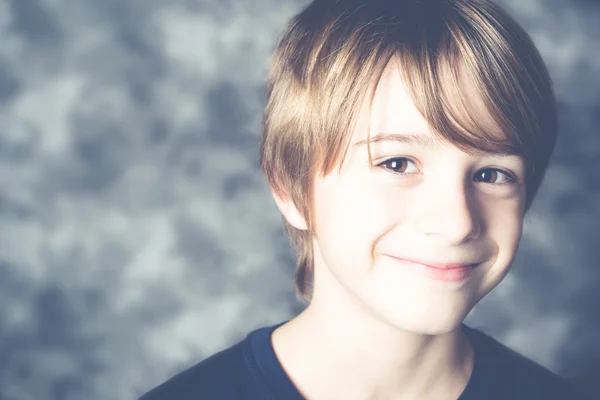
x,y
399,165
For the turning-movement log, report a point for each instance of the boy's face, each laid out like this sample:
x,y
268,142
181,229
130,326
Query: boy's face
x,y
449,207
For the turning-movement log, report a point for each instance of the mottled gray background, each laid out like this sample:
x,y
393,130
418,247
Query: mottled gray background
x,y
137,235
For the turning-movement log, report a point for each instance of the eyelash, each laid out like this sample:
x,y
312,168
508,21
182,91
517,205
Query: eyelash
x,y
510,177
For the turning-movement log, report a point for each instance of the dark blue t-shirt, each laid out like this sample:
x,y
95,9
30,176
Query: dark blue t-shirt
x,y
250,370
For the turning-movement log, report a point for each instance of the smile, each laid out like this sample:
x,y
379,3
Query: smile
x,y
439,272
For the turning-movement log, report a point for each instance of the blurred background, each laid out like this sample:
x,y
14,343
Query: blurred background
x,y
137,235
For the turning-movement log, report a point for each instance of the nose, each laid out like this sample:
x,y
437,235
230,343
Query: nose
x,y
449,211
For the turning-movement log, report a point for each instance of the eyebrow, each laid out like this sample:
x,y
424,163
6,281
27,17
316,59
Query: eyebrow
x,y
421,139
424,140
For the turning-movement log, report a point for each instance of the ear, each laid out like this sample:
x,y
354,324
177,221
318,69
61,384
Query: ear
x,y
288,209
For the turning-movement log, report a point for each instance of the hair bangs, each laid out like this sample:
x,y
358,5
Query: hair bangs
x,y
463,101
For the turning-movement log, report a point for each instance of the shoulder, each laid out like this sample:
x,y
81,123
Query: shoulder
x,y
216,377
514,376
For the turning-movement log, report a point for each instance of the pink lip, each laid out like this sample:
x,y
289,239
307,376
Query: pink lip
x,y
450,272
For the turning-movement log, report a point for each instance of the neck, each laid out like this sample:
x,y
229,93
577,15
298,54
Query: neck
x,y
332,350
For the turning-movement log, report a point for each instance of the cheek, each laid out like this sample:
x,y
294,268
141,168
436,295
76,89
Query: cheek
x,y
504,227
503,233
351,204
350,215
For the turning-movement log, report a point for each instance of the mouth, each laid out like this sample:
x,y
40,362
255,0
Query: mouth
x,y
445,272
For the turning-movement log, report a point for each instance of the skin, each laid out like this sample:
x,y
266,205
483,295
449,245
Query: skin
x,y
377,328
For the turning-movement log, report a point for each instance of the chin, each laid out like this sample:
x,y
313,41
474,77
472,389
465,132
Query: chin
x,y
429,324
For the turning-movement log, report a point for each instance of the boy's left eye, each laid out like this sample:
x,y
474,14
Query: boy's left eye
x,y
494,175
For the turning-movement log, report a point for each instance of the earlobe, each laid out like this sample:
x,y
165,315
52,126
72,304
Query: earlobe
x,y
290,211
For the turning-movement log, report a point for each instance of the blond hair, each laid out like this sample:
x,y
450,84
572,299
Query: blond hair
x,y
333,52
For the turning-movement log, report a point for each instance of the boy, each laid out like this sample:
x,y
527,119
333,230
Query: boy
x,y
403,142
